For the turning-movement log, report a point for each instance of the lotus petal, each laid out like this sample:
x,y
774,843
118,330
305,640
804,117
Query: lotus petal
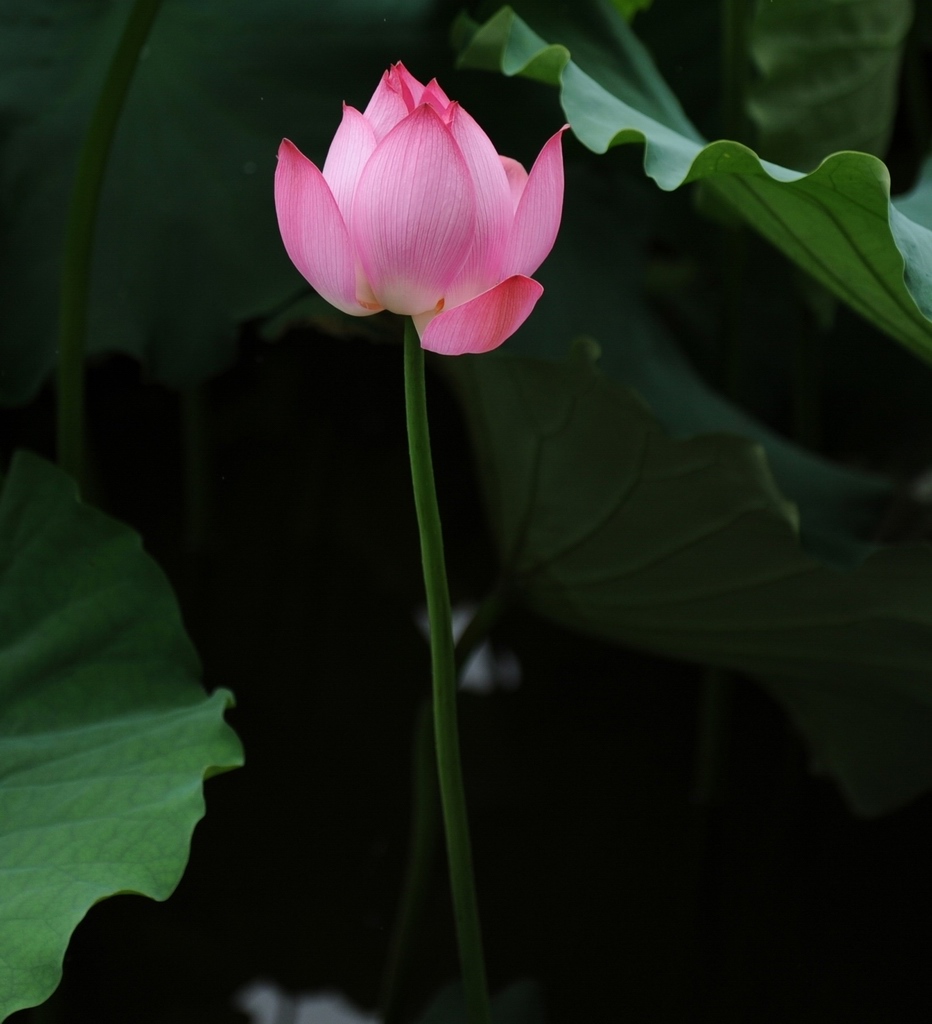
x,y
414,214
537,217
482,323
313,230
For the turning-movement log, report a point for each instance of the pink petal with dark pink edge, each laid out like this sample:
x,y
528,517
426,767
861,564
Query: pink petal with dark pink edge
x,y
436,97
517,178
494,212
352,146
414,214
313,230
387,106
537,218
484,322
410,87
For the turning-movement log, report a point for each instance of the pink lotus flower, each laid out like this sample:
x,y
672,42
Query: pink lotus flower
x,y
415,212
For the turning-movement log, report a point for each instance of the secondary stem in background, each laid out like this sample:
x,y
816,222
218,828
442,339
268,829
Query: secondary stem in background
x,y
195,439
807,366
716,698
734,258
485,617
446,736
734,76
915,86
735,68
79,237
712,744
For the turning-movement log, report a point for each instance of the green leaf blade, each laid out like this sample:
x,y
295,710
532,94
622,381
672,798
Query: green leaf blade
x,y
829,71
106,736
686,548
837,223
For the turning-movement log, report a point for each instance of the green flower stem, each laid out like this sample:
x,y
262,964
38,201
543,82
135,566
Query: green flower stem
x,y
449,770
422,849
79,237
425,825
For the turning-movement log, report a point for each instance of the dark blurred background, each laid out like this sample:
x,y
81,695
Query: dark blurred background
x,y
597,874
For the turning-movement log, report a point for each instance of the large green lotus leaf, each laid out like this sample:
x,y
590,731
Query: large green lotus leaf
x,y
686,548
873,739
187,245
829,76
915,207
594,286
837,223
105,735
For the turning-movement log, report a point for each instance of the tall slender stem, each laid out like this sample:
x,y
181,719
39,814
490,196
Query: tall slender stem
x,y
446,737
425,824
79,237
422,846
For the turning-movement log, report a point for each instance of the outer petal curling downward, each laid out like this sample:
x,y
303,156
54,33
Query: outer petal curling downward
x,y
313,230
482,323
